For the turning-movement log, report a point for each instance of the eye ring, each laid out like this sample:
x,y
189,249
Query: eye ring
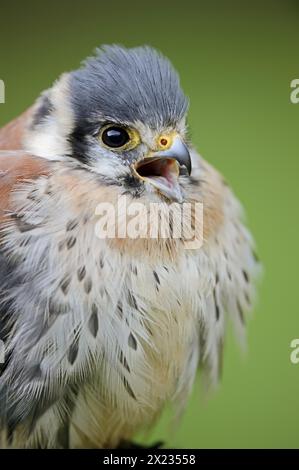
x,y
117,137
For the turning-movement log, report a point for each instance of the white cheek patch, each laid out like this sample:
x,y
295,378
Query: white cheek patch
x,y
49,139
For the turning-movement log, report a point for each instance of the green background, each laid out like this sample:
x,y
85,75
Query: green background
x,y
236,62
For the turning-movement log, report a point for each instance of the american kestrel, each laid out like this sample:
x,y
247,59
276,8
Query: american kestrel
x,y
101,333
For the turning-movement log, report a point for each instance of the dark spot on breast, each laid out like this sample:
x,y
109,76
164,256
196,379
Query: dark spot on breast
x,y
120,310
81,273
9,433
129,388
94,309
24,226
132,301
245,274
48,190
32,195
217,310
132,342
166,269
156,277
61,245
25,242
57,308
101,262
88,285
217,278
194,181
65,284
171,223
73,350
149,330
103,292
71,242
85,219
93,323
123,361
71,225
135,271
63,436
241,313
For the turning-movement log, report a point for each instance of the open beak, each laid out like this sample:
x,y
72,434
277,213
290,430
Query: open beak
x,y
163,168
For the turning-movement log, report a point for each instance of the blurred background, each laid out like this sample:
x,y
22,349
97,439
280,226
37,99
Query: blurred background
x,y
236,61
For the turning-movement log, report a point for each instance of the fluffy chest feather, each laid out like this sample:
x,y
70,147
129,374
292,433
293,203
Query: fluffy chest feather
x,y
104,332
124,327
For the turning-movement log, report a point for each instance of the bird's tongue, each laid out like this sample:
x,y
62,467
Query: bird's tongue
x,y
169,186
163,175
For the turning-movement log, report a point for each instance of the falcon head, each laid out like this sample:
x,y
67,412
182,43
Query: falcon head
x,y
121,116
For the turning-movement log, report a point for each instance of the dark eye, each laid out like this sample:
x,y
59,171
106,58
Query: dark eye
x,y
115,137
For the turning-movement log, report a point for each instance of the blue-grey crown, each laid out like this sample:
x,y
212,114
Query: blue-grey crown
x,y
128,85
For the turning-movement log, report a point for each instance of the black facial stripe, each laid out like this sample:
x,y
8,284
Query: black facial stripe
x,y
79,144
